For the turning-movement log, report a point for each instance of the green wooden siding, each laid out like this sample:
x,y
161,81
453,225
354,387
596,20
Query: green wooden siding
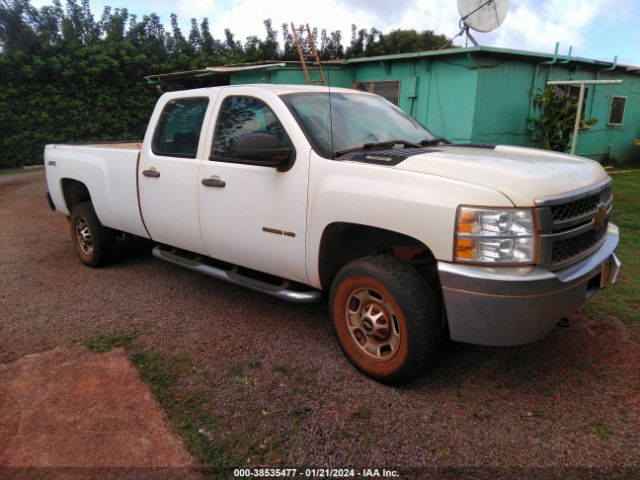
x,y
483,95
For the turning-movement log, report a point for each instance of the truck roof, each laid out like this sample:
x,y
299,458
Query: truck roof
x,y
278,89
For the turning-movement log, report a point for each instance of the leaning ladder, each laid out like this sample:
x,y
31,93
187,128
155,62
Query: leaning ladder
x,y
306,46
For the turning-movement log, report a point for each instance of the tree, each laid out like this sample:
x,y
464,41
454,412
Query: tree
x,y
59,66
269,49
195,37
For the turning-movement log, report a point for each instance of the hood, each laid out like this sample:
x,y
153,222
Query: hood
x,y
522,174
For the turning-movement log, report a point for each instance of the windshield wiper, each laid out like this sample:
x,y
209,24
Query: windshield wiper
x,y
432,142
390,143
387,143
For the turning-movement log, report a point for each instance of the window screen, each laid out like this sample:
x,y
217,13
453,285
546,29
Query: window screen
x,y
240,116
388,89
617,110
179,127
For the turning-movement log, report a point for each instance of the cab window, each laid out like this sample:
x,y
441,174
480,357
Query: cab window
x,y
241,116
178,130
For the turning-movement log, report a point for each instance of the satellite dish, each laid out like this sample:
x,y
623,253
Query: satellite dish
x,y
483,15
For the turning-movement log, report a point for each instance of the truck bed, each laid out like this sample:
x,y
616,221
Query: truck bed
x,y
109,172
123,144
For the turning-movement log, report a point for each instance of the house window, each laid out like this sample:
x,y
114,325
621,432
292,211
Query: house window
x,y
573,91
387,89
616,114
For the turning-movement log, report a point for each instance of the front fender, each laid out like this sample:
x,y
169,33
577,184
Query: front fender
x,y
418,205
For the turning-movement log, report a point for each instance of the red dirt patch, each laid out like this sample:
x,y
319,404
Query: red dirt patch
x,y
68,409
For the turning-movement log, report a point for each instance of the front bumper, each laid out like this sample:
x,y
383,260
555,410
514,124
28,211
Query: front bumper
x,y
518,305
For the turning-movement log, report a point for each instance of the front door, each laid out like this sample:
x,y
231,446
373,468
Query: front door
x,y
254,215
168,174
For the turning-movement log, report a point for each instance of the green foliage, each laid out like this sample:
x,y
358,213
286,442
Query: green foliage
x,y
552,130
622,299
188,410
103,343
600,429
66,76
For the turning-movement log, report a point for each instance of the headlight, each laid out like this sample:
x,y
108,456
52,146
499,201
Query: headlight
x,y
498,236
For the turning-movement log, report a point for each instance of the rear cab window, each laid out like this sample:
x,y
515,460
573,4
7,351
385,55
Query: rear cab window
x,y
178,131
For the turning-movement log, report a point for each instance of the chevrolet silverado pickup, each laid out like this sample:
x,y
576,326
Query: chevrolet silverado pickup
x,y
309,193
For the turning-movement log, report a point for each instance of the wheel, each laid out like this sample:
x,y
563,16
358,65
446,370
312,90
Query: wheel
x,y
95,243
386,318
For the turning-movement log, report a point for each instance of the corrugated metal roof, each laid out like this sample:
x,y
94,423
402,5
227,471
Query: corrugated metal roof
x,y
504,52
490,50
212,71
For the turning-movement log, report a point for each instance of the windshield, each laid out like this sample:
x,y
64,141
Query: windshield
x,y
356,119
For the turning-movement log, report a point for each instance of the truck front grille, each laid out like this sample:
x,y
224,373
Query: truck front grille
x,y
579,208
573,226
572,247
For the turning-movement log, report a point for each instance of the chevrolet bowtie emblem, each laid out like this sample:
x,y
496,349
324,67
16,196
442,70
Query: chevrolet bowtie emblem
x,y
601,217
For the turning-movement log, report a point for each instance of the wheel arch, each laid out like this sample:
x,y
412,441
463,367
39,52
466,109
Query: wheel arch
x,y
74,192
343,242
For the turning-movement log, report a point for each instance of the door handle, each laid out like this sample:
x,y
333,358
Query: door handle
x,y
213,182
153,173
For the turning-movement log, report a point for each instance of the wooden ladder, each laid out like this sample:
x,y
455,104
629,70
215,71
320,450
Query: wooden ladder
x,y
306,46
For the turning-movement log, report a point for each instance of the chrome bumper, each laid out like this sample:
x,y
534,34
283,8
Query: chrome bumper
x,y
518,305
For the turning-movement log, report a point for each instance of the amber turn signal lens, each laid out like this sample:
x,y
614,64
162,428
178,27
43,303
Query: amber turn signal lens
x,y
465,222
464,248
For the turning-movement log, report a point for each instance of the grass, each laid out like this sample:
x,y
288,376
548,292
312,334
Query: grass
x,y
15,171
104,343
188,410
192,411
539,414
241,368
362,413
600,429
622,300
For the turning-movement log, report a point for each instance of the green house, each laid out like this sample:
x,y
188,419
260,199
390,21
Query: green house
x,y
480,94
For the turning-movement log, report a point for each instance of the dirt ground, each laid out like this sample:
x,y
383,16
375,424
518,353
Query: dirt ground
x,y
277,381
68,410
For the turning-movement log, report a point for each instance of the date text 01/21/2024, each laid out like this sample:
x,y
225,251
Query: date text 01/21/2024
x,y
315,472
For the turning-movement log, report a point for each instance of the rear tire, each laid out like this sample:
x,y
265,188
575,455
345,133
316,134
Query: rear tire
x,y
94,243
386,318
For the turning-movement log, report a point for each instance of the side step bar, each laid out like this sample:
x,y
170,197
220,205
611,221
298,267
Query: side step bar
x,y
232,276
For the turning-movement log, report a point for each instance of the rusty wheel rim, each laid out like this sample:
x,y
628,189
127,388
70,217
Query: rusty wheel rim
x,y
83,234
373,324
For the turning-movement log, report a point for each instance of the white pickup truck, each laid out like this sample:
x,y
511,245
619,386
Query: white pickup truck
x,y
294,191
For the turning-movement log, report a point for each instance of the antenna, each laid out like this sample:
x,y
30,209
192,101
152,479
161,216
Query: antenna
x,y
480,15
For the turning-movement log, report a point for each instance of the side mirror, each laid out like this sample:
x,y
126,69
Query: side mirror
x,y
264,149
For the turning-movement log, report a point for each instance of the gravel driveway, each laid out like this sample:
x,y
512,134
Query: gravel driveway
x,y
277,376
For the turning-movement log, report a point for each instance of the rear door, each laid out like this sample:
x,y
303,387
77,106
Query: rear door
x,y
254,215
168,172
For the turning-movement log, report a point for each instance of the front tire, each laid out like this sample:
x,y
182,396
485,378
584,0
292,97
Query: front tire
x,y
94,243
386,318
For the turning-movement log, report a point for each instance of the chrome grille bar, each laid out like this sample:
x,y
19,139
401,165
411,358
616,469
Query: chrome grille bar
x,y
572,226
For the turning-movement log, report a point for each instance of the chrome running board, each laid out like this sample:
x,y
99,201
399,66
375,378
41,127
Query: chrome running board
x,y
281,291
